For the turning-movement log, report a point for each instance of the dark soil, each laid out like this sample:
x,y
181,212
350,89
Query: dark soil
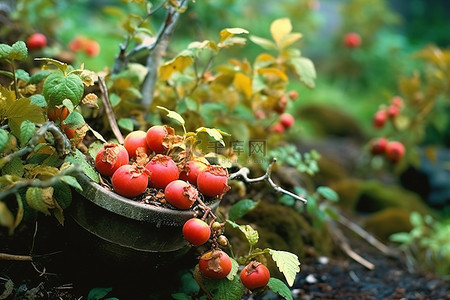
x,y
58,272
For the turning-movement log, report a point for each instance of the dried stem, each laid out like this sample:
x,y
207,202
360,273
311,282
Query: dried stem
x,y
6,256
243,173
109,111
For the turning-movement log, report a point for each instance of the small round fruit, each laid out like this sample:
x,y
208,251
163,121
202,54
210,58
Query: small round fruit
x,y
180,194
193,168
57,113
196,231
135,141
215,264
212,181
397,101
293,95
110,157
378,146
163,171
280,106
130,181
379,119
70,132
92,48
277,128
393,111
36,41
395,151
287,120
78,43
255,275
352,40
155,137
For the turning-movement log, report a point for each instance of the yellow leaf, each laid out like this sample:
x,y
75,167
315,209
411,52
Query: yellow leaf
x,y
179,63
243,84
273,72
290,39
265,57
279,29
229,32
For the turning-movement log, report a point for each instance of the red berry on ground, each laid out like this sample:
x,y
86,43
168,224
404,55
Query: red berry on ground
x,y
215,264
255,275
180,194
395,151
36,41
212,181
135,141
287,120
192,169
110,157
163,171
196,231
155,138
378,146
130,181
379,118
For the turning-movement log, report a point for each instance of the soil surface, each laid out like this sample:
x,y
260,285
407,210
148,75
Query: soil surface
x,y
60,273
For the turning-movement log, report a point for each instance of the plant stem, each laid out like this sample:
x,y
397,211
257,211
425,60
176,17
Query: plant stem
x,y
109,111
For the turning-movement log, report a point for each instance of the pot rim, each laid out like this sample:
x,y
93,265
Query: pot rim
x,y
129,208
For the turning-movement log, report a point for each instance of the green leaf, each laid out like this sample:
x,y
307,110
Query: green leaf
x,y
22,110
67,103
264,43
14,167
114,99
234,269
126,123
173,115
34,200
18,51
305,69
75,120
4,138
279,287
240,208
38,77
58,87
62,194
401,237
416,219
216,134
22,75
38,100
4,51
27,131
287,263
181,296
250,234
72,181
328,193
78,158
98,293
224,289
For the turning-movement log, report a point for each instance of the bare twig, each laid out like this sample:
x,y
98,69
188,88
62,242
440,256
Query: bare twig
x,y
109,111
243,173
6,256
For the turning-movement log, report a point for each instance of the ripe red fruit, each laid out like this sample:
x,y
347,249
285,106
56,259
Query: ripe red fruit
x,y
280,106
395,151
70,132
130,180
393,111
110,157
196,231
212,181
92,48
277,128
57,113
397,101
163,171
193,168
379,118
215,264
78,43
135,141
155,137
255,275
180,194
287,120
378,146
36,41
352,40
293,95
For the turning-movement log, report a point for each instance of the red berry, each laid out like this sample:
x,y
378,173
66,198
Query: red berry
x,y
260,114
78,43
92,48
135,141
180,194
212,181
255,275
352,40
280,106
192,169
287,120
395,151
196,231
155,137
393,111
215,264
130,181
70,132
397,101
379,119
378,146
36,41
163,171
277,128
57,113
293,95
110,157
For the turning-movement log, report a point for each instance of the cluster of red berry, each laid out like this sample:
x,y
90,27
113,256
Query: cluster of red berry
x,y
89,46
388,113
285,120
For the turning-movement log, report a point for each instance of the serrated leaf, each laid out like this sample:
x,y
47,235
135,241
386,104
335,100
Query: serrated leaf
x,y
279,29
35,200
72,181
18,51
4,51
229,32
214,133
126,123
224,289
277,286
27,131
78,158
240,208
251,234
173,115
13,167
38,77
58,87
75,120
4,138
234,269
328,193
38,100
62,194
287,263
264,43
22,75
22,110
304,68
178,63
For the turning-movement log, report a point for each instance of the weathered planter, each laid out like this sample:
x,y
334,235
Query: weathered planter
x,y
116,230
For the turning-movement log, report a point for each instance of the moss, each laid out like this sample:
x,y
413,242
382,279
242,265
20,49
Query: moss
x,y
388,221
